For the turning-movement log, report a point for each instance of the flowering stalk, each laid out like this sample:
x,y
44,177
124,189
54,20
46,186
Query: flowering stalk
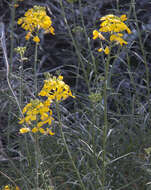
x,y
38,114
33,21
115,27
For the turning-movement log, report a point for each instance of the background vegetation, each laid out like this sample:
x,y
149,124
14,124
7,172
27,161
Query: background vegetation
x,y
77,163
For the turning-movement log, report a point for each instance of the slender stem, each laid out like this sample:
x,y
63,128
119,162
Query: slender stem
x,y
21,84
67,148
105,128
35,67
37,160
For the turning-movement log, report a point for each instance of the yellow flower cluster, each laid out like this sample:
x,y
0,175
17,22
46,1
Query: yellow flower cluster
x,y
55,89
35,19
38,113
114,25
8,187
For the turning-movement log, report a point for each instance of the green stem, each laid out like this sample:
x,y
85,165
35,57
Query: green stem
x,y
35,67
67,148
37,160
105,128
21,84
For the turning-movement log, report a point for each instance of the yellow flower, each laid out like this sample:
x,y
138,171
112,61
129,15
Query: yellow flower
x,y
48,131
20,21
118,39
6,187
97,34
60,77
41,123
36,39
43,93
51,30
27,107
21,121
35,130
41,130
100,49
107,50
123,17
44,116
24,130
28,35
33,117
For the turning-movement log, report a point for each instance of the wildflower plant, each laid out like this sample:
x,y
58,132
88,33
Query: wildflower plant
x,y
115,27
